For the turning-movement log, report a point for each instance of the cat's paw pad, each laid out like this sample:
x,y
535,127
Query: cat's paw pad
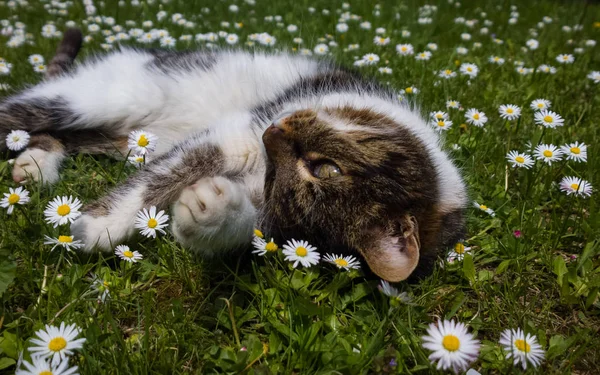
x,y
35,164
206,202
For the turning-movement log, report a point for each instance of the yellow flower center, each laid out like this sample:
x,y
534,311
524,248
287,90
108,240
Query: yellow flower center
x,y
574,150
509,110
63,210
258,233
152,223
16,138
575,187
143,141
139,159
439,116
448,72
403,49
65,239
520,159
57,344
409,90
451,343
540,105
459,248
469,69
105,284
441,124
548,118
301,251
565,57
46,373
128,254
341,262
548,153
272,246
13,198
523,346
483,207
476,116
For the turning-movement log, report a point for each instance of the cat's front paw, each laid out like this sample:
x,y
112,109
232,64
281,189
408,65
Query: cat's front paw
x,y
35,164
102,232
211,214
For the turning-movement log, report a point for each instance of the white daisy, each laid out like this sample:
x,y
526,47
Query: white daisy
x,y
381,41
64,241
575,151
547,153
405,49
14,196
62,210
439,115
540,104
56,342
42,366
301,252
321,49
565,58
485,209
522,348
496,60
458,253
40,68
387,289
137,160
343,262
548,119
453,347
17,140
509,111
452,104
594,76
36,59
470,70
423,56
141,142
148,222
123,252
441,125
518,159
411,90
475,117
446,73
261,247
576,186
370,59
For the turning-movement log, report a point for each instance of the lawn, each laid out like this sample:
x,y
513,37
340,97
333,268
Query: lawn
x,y
530,259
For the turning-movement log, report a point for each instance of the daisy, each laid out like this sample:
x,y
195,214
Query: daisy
x,y
137,160
370,59
41,366
470,70
547,153
458,253
447,73
141,142
594,76
64,241
17,140
546,69
423,56
496,60
441,125
321,49
548,119
453,347
522,348
432,46
56,342
261,247
532,44
540,104
439,115
575,151
148,222
62,210
385,70
565,58
452,104
301,252
509,111
14,196
123,252
39,68
577,186
462,50
475,117
343,262
387,289
381,41
485,209
36,59
519,160
405,49
258,233
411,90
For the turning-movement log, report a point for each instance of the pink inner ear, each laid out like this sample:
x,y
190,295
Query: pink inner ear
x,y
394,258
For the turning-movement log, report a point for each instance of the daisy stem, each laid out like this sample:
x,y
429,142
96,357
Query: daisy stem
x,y
232,318
44,280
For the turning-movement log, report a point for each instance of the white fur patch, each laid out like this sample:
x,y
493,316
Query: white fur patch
x,y
35,164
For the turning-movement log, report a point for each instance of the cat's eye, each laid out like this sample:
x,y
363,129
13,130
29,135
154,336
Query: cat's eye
x,y
325,170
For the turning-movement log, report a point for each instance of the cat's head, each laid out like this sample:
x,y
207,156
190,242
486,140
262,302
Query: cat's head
x,y
349,179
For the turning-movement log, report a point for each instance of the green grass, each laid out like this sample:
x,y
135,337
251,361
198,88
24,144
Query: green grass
x,y
172,313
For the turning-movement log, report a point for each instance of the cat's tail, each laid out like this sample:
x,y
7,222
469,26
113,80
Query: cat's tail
x,y
65,53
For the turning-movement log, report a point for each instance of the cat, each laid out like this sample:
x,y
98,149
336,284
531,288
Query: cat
x,y
298,147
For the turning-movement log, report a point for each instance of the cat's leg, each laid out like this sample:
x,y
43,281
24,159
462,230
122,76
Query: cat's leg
x,y
40,161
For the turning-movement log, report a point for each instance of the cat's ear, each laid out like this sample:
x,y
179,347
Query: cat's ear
x,y
393,257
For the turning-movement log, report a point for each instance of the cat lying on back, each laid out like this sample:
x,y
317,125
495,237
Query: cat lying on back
x,y
295,146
